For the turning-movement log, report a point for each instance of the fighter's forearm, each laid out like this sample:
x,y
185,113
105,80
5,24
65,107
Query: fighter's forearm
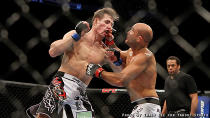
x,y
60,46
113,79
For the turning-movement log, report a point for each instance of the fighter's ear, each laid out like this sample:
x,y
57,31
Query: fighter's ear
x,y
139,38
178,67
95,21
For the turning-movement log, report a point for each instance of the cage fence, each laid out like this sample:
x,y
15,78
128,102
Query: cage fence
x,y
16,97
28,27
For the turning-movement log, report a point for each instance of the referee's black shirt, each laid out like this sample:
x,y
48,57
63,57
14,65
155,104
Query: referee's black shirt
x,y
177,91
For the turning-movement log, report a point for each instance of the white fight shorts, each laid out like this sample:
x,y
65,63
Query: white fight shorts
x,y
65,98
146,108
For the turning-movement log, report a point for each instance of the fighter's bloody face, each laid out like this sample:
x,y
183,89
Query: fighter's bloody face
x,y
104,25
172,67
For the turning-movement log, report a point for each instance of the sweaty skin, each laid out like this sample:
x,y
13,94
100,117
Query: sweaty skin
x,y
144,84
77,54
84,52
139,72
89,49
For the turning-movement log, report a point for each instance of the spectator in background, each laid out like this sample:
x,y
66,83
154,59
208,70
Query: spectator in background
x,y
180,91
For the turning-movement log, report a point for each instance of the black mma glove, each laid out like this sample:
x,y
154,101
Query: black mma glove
x,y
117,54
94,70
81,26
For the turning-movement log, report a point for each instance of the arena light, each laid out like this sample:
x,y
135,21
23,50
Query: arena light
x,y
72,5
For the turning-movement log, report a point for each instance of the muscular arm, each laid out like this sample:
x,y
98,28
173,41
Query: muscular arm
x,y
60,46
128,73
194,103
123,56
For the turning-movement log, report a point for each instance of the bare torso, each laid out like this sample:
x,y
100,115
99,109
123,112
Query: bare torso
x,y
144,84
83,53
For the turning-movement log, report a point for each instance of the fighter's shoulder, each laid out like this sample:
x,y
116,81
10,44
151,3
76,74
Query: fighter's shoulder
x,y
148,53
145,56
141,57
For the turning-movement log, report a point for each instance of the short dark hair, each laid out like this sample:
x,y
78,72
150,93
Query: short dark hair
x,y
178,62
100,13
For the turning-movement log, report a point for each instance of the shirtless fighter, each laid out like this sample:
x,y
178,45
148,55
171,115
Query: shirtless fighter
x,y
66,95
138,74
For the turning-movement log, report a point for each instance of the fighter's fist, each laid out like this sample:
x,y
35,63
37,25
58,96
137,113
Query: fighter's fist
x,y
116,59
94,70
81,28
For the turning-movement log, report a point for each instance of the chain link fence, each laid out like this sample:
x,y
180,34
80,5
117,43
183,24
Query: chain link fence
x,y
16,97
28,27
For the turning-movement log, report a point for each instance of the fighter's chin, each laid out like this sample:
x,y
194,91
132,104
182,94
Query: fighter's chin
x,y
126,41
102,35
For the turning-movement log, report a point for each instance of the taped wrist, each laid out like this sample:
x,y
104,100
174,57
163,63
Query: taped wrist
x,y
79,28
98,73
94,70
118,62
76,37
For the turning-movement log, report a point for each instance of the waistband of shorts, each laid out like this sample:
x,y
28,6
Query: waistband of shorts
x,y
178,111
152,100
71,78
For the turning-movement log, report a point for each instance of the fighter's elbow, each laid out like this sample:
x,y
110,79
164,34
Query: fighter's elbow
x,y
125,79
52,51
119,83
116,82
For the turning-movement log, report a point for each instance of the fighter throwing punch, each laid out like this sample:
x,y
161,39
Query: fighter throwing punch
x,y
138,74
66,95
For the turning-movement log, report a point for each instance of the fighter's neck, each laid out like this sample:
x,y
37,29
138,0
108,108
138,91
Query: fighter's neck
x,y
95,37
138,50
